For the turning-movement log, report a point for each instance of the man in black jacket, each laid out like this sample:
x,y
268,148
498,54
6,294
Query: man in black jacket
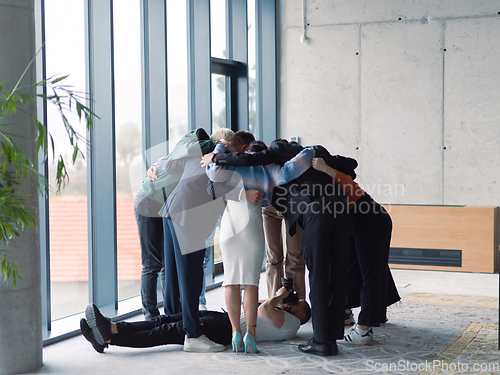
x,y
318,205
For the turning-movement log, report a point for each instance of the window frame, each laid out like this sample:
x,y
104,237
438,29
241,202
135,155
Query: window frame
x,y
101,158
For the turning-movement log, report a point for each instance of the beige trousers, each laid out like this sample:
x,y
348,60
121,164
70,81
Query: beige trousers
x,y
294,261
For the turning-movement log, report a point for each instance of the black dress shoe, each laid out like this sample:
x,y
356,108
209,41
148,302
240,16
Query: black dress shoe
x,y
334,348
313,347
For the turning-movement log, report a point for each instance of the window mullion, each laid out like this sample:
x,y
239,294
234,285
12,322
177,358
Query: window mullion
x,y
101,159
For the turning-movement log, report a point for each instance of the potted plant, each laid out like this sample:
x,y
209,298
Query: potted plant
x,y
16,169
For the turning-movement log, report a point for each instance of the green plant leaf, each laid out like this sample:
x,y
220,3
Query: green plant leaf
x,y
9,268
16,169
79,109
75,154
59,79
41,136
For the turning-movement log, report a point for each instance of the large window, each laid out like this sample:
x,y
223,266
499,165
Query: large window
x,y
177,78
219,95
218,27
68,245
252,93
155,70
128,140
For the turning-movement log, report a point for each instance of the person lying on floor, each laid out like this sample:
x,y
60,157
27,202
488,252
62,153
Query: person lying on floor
x,y
275,321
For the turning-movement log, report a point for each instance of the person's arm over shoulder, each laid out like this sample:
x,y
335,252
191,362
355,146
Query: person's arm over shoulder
x,y
341,163
220,178
170,166
218,173
246,159
351,189
295,167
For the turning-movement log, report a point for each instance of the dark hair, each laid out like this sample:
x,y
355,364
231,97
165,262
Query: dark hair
x,y
306,309
257,146
279,140
242,137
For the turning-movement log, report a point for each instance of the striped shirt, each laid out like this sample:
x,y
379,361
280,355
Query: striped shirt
x,y
261,177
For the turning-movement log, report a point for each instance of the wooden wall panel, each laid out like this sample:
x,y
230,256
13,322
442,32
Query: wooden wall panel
x,y
472,229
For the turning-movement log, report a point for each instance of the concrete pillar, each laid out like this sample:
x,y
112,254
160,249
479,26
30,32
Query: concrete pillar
x,y
20,307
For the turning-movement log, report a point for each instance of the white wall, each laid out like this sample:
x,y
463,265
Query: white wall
x,y
411,89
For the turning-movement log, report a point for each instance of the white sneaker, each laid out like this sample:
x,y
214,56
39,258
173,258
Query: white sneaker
x,y
202,307
349,318
202,344
353,336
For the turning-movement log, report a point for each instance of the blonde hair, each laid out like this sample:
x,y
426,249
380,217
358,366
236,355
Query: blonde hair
x,y
223,133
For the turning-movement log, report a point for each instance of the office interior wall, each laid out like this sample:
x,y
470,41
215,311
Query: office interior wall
x,y
408,88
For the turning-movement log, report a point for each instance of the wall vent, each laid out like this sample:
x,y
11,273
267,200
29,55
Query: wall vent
x,y
425,257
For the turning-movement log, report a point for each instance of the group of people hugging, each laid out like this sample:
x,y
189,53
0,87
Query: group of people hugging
x,y
250,191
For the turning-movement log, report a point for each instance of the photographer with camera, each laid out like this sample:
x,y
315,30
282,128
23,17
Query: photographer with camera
x,y
283,314
274,322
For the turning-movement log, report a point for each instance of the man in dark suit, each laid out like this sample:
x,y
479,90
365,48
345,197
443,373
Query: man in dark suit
x,y
318,205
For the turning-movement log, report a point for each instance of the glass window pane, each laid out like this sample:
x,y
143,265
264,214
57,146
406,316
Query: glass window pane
x,y
219,102
252,104
68,210
128,138
218,28
177,68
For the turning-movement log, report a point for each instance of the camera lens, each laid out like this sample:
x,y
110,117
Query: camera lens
x,y
287,283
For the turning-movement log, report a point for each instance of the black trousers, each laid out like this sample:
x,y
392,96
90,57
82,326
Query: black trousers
x,y
168,329
370,283
153,266
325,242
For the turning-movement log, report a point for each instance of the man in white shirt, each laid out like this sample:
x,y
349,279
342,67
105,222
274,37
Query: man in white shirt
x,y
274,322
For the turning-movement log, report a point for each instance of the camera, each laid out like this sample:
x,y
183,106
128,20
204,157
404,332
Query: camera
x,y
287,283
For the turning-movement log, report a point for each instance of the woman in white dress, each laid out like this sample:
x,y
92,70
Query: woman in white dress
x,y
242,249
241,232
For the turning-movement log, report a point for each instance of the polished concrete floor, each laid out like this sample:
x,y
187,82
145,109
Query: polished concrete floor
x,y
445,323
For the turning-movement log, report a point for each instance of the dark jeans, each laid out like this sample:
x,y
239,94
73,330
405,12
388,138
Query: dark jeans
x,y
183,281
206,260
370,283
169,329
325,242
151,240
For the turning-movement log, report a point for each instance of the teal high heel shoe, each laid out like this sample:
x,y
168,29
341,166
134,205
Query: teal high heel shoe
x,y
249,343
235,342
